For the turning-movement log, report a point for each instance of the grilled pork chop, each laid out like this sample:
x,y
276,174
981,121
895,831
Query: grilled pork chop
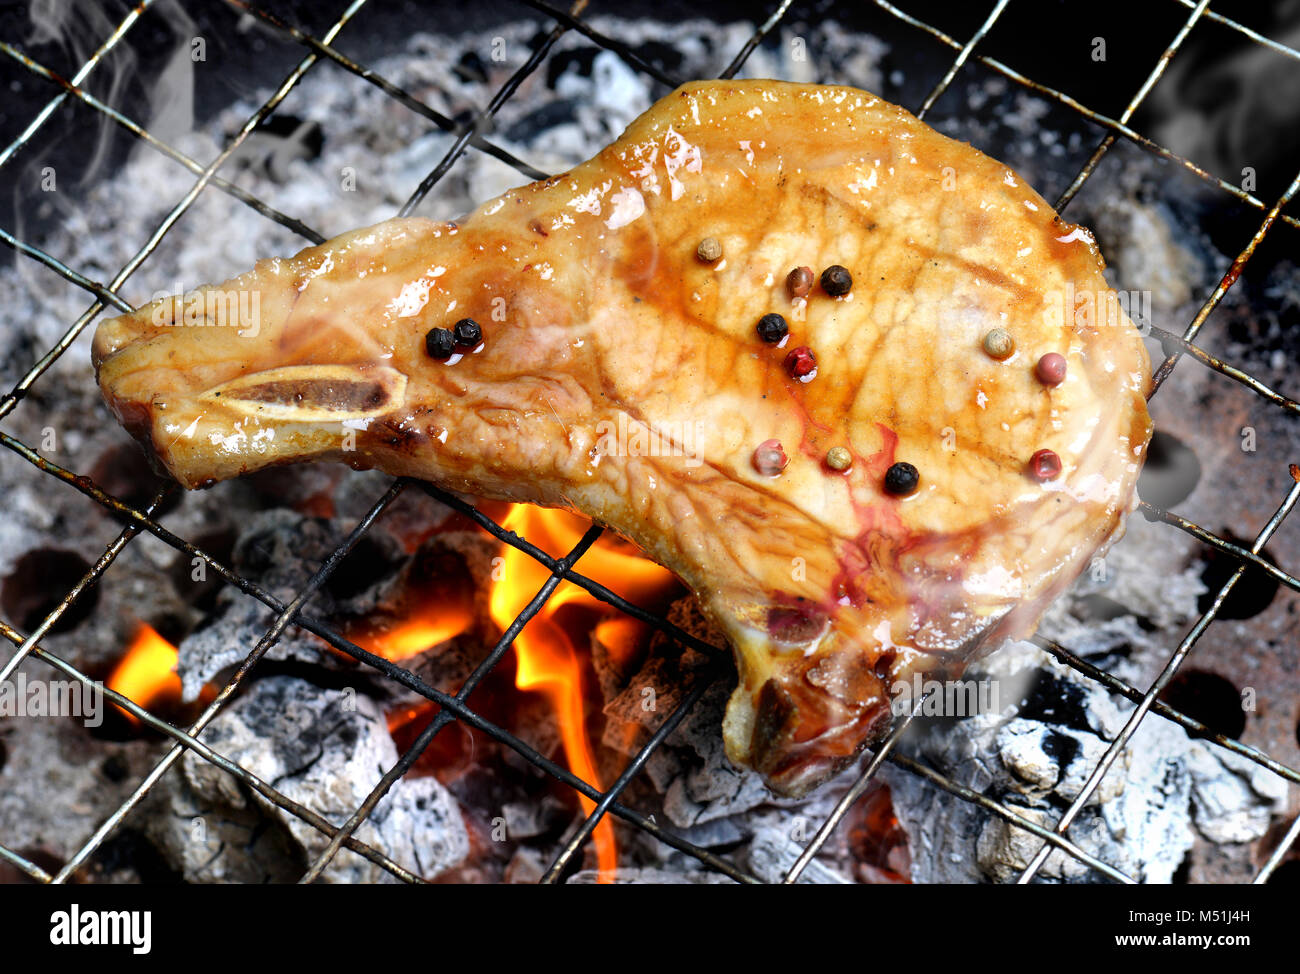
x,y
895,477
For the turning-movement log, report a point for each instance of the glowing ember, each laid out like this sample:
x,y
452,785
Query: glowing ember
x,y
431,625
548,661
437,604
147,673
621,636
877,839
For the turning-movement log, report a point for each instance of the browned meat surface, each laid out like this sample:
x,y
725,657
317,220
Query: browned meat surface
x,y
622,376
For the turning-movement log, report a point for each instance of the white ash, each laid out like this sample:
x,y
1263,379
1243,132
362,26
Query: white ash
x,y
1143,253
28,523
1232,809
527,866
772,852
326,749
716,833
208,840
1165,790
1151,574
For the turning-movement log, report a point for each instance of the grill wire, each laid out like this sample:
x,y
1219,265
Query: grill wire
x,y
562,569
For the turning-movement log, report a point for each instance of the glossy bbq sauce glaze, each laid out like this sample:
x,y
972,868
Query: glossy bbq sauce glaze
x,y
621,375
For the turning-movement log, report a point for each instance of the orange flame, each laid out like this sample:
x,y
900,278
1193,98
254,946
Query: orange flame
x,y
548,661
437,604
620,636
147,671
429,626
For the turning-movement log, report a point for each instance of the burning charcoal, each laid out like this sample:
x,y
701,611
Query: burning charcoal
x,y
326,749
637,712
410,520
308,491
428,606
691,770
877,843
615,667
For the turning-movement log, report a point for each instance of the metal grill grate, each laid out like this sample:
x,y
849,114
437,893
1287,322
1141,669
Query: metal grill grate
x,y
457,708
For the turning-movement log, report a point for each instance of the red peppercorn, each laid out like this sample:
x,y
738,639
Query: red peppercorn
x,y
769,458
801,363
1051,369
1044,465
799,281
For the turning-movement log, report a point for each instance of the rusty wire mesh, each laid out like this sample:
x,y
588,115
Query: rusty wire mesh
x,y
456,708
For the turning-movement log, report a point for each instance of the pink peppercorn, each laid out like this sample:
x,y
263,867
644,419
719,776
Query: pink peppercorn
x,y
1051,369
770,458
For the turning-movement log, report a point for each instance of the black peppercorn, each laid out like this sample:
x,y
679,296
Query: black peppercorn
x,y
837,281
468,333
772,328
901,479
440,343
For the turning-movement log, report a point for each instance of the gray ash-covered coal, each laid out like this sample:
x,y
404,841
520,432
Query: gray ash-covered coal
x,y
1165,793
324,749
